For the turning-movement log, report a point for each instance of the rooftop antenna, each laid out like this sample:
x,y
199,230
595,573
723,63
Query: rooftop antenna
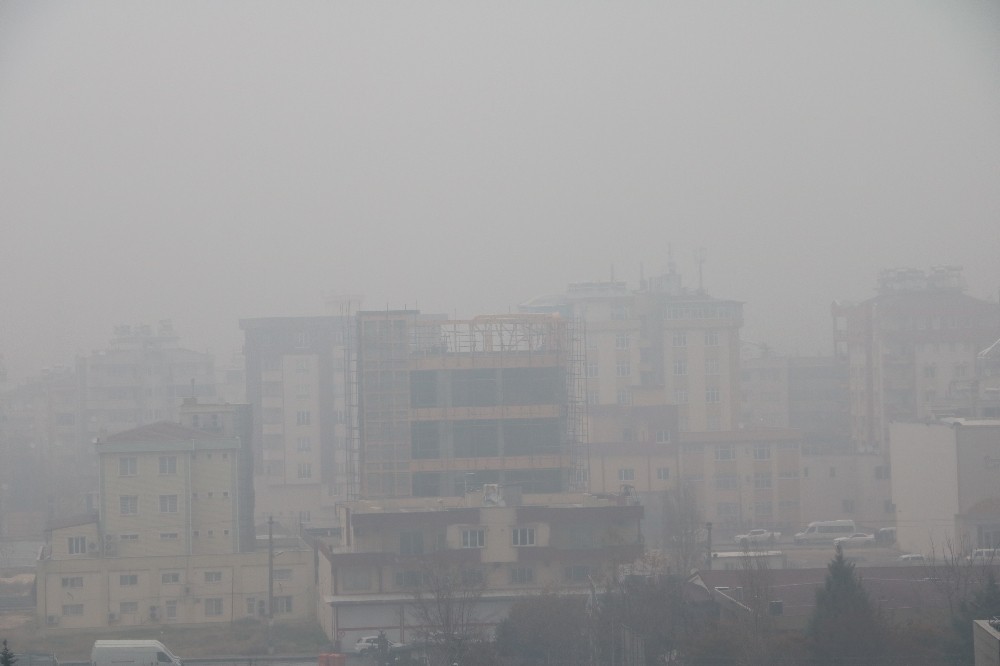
x,y
699,256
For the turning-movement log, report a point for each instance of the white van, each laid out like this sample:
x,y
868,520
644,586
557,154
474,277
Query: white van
x,y
132,653
825,530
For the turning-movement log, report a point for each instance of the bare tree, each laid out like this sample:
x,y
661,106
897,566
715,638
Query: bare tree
x,y
445,608
683,527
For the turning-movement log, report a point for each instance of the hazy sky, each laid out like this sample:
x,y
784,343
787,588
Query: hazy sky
x,y
206,161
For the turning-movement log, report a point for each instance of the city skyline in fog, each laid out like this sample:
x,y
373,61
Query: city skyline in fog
x,y
206,163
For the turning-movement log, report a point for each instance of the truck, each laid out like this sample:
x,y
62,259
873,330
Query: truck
x,y
757,537
132,653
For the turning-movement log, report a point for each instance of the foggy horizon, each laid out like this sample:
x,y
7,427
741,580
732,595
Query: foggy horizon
x,y
207,163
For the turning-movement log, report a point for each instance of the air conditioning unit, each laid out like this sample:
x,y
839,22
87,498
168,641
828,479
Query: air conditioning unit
x,y
112,617
52,620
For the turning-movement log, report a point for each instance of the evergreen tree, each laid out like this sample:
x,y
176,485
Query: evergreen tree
x,y
845,627
7,657
985,604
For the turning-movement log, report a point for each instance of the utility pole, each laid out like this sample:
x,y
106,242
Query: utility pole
x,y
708,528
270,582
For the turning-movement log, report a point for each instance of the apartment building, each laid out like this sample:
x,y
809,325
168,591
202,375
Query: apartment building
x,y
141,378
911,350
166,544
662,338
445,406
945,485
80,587
808,393
47,472
299,382
168,489
501,543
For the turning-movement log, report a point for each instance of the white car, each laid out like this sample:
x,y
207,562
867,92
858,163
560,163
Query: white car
x,y
369,645
856,539
911,558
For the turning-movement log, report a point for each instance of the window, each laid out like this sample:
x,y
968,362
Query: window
x,y
282,574
213,576
72,609
354,579
762,480
621,341
128,504
305,470
129,537
662,473
726,481
521,575
576,573
411,543
882,472
680,366
725,452
592,369
680,339
408,578
762,452
77,545
712,394
711,366
711,338
473,538
523,536
170,536
168,503
128,607
623,369
303,444
213,606
619,312
72,581
681,397
168,464
282,605
662,436
128,466
170,578
171,610
128,579
624,397
302,418
626,474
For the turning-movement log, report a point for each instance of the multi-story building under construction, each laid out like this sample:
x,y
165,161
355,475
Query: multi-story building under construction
x,y
448,406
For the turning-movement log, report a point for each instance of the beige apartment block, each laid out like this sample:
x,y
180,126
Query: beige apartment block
x,y
678,345
169,490
504,543
946,485
911,350
80,587
744,479
300,382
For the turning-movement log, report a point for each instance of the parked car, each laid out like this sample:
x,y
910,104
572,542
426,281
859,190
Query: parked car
x,y
985,556
369,645
757,537
856,539
886,536
911,558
